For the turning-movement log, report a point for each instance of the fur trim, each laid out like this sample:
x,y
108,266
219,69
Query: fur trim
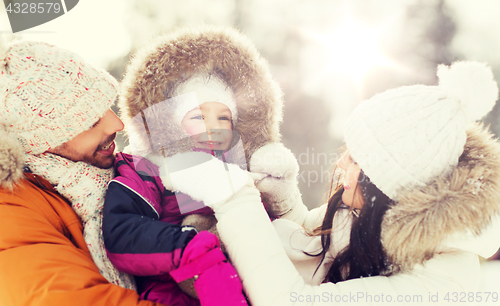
x,y
11,160
463,200
156,71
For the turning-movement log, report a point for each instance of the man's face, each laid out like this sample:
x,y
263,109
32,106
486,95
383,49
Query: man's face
x,y
95,146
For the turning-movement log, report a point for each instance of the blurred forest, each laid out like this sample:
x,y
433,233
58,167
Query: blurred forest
x,y
316,101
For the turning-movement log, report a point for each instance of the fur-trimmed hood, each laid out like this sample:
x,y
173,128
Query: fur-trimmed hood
x,y
462,203
156,71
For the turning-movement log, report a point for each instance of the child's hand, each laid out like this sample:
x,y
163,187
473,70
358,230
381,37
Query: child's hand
x,y
214,278
279,188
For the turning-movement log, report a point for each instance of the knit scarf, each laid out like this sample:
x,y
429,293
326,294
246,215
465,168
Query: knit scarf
x,y
84,186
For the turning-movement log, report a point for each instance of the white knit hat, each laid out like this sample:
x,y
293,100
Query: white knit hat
x,y
49,95
405,137
206,89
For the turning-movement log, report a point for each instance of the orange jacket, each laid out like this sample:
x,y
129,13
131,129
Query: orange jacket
x,y
43,257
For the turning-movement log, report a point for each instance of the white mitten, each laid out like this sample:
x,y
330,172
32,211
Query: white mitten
x,y
280,187
201,176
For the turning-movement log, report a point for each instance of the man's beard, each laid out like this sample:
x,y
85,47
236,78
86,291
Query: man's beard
x,y
99,161
95,159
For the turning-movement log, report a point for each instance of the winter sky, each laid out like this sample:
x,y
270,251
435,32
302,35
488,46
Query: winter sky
x,y
104,30
96,29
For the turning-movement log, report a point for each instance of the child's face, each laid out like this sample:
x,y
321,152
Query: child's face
x,y
209,126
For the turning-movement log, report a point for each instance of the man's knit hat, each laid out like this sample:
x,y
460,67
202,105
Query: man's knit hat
x,y
406,137
49,95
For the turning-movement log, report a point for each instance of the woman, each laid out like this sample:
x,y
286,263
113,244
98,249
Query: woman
x,y
426,183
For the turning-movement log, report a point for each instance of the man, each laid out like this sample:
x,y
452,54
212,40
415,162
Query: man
x,y
56,152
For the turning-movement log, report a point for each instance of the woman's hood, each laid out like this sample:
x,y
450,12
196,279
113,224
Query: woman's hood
x,y
155,72
456,210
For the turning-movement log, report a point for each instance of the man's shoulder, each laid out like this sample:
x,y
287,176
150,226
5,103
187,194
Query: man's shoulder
x,y
31,190
28,183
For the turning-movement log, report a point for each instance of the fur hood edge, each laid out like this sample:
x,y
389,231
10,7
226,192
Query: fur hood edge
x,y
464,200
156,71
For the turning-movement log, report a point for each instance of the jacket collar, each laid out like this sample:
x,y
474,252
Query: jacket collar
x,y
462,202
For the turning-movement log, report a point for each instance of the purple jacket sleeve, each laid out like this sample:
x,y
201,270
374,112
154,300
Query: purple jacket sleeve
x,y
137,242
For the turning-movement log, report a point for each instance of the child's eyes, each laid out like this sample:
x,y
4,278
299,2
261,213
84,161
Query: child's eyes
x,y
200,117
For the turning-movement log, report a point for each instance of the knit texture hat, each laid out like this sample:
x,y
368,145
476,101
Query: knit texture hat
x,y
49,95
405,137
205,89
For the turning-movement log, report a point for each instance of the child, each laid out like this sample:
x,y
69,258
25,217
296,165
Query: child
x,y
205,90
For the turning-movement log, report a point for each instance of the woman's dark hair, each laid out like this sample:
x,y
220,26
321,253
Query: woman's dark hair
x,y
364,256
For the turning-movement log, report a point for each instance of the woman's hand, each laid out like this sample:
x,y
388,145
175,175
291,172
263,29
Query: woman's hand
x,y
201,176
279,187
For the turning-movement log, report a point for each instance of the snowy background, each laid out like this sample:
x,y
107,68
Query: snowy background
x,y
328,55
